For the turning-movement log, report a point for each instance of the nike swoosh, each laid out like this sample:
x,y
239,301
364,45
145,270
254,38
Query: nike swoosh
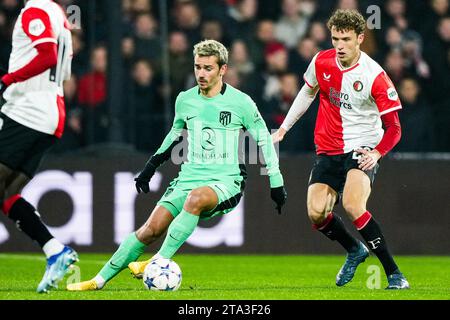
x,y
189,118
114,265
173,237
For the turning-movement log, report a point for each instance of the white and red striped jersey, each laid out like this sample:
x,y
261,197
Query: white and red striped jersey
x,y
352,102
38,102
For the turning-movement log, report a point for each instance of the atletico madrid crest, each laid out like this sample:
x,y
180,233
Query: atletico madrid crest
x,y
225,117
358,86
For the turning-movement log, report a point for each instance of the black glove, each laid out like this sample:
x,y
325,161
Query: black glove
x,y
279,196
143,179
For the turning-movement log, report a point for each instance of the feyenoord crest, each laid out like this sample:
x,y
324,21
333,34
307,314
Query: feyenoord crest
x,y
358,86
225,117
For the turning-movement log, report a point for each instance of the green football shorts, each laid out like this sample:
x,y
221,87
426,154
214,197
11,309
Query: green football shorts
x,y
228,194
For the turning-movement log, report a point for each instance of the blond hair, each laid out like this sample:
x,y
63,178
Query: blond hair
x,y
208,48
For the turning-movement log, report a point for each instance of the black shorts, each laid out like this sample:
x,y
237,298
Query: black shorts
x,y
22,148
332,170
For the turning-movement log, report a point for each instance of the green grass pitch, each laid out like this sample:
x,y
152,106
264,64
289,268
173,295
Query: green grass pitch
x,y
237,277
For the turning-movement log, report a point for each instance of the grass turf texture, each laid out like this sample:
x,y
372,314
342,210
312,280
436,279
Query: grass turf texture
x,y
236,277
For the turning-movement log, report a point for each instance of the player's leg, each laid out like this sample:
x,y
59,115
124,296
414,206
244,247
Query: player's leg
x,y
134,245
28,220
321,199
26,216
326,180
129,250
320,202
229,196
356,193
32,146
6,175
21,151
199,200
173,200
148,233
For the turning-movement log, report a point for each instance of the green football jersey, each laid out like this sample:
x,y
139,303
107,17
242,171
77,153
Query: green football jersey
x,y
213,127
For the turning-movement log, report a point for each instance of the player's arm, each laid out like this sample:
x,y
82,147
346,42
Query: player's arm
x,y
301,102
37,26
391,137
300,105
386,98
163,153
256,126
392,133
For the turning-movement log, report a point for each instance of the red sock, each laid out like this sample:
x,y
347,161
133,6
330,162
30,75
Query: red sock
x,y
363,220
8,203
324,223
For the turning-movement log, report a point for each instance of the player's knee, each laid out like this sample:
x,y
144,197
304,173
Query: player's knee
x,y
149,232
196,200
317,211
353,208
317,214
316,217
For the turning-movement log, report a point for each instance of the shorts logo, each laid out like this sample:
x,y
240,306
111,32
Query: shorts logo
x,y
225,118
358,86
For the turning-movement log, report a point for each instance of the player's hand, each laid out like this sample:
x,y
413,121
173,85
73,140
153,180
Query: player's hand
x,y
143,179
279,196
368,159
278,135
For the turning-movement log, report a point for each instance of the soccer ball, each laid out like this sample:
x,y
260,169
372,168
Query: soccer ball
x,y
162,275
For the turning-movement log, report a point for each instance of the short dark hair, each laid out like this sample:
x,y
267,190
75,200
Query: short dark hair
x,y
346,20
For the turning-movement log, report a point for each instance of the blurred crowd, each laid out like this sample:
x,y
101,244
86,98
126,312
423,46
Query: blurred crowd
x,y
270,43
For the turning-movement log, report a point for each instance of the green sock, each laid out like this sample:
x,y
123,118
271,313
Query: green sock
x,y
179,230
130,250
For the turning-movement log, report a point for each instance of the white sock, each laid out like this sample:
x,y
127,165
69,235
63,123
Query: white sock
x,y
52,247
100,281
156,256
